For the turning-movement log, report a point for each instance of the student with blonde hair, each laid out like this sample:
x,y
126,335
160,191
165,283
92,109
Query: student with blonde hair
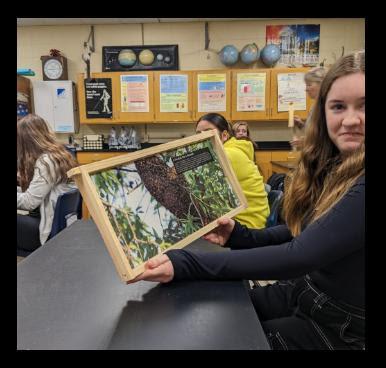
x,y
313,79
241,131
321,249
42,164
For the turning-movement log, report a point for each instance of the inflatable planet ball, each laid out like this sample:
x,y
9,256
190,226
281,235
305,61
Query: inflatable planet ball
x,y
146,57
229,55
160,57
127,57
270,54
250,53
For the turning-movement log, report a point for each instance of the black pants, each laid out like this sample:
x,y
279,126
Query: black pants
x,y
28,236
296,315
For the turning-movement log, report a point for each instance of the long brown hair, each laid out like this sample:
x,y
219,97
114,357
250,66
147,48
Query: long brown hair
x,y
323,175
34,138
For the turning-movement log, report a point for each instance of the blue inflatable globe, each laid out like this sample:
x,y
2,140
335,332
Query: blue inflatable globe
x,y
229,55
250,53
270,54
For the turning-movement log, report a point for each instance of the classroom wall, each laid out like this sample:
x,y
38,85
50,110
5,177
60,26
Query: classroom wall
x,y
35,41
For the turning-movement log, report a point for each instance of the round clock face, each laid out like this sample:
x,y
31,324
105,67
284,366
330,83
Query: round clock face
x,y
53,69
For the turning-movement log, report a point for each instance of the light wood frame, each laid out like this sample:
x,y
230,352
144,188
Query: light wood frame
x,y
89,191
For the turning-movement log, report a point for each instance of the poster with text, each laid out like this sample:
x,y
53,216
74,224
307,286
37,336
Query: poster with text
x,y
291,88
134,93
251,91
299,43
173,93
211,92
98,98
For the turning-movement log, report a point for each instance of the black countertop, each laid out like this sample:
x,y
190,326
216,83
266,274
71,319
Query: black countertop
x,y
70,297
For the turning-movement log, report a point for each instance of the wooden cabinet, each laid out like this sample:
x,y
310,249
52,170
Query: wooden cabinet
x,y
82,100
161,117
215,81
264,160
222,75
87,158
270,111
119,116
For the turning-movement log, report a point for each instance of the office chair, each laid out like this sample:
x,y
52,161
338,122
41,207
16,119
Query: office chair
x,y
274,200
69,204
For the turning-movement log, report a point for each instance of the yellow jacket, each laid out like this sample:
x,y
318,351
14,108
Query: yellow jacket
x,y
241,155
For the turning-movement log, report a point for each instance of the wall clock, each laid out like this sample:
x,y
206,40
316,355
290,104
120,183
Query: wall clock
x,y
54,68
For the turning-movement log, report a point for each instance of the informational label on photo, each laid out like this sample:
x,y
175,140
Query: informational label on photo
x,y
192,160
98,97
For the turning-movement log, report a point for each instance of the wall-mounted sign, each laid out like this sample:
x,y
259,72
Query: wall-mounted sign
x,y
128,58
98,98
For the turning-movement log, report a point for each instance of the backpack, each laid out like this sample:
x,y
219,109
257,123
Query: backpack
x,y
276,181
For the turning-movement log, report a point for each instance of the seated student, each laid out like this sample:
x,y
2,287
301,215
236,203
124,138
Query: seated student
x,y
241,131
42,163
321,250
241,154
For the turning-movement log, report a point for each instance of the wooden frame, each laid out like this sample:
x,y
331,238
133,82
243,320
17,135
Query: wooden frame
x,y
191,182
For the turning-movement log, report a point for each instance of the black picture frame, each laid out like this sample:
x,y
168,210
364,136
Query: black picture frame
x,y
110,58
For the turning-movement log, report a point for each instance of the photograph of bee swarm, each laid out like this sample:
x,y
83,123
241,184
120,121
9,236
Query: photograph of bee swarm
x,y
164,197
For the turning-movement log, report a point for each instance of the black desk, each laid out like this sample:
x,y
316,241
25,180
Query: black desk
x,y
70,297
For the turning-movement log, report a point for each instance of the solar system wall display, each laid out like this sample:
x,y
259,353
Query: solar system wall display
x,y
130,58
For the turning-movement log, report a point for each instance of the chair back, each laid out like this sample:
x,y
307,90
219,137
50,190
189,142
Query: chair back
x,y
68,206
274,200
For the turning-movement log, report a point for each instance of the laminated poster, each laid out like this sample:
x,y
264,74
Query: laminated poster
x,y
173,93
98,98
291,88
251,91
134,93
211,92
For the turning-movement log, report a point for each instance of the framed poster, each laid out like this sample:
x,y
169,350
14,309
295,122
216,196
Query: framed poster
x,y
98,98
147,202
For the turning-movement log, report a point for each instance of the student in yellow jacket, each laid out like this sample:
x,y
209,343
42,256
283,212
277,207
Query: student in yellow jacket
x,y
241,155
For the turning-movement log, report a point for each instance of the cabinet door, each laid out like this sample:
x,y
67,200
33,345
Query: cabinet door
x,y
135,94
263,160
176,95
212,93
250,90
285,155
82,100
283,115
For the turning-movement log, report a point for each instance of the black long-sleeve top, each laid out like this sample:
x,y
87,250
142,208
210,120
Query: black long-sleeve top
x,y
331,250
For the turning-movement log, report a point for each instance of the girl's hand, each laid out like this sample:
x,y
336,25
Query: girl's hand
x,y
220,235
157,269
